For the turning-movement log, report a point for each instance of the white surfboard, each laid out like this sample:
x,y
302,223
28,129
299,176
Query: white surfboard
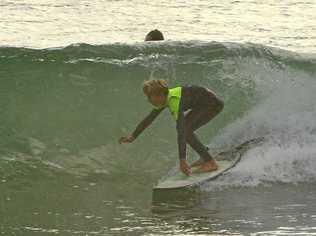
x,y
225,161
180,180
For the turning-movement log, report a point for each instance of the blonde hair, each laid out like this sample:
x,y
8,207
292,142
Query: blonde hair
x,y
155,87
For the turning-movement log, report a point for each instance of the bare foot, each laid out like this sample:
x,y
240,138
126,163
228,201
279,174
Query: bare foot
x,y
197,162
208,166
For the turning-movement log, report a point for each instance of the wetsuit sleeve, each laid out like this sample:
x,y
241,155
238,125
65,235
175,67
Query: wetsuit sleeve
x,y
181,131
146,121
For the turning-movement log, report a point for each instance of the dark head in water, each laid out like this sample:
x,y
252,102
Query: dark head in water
x,y
154,35
156,91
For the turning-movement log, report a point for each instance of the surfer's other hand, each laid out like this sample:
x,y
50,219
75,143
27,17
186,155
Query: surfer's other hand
x,y
184,167
126,139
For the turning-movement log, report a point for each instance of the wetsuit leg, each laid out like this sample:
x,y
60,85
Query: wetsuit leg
x,y
197,118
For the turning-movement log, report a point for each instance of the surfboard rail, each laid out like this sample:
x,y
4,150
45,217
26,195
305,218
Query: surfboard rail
x,y
226,160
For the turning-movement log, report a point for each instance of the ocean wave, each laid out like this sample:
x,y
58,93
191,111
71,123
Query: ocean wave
x,y
59,103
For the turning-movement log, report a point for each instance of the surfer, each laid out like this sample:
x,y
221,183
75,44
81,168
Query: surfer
x,y
204,105
154,35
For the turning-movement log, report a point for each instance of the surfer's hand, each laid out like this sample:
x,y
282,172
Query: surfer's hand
x,y
126,139
184,167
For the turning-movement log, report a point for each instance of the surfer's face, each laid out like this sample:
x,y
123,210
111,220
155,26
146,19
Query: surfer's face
x,y
157,100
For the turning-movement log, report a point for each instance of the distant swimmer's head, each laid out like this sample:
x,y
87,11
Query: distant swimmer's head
x,y
154,35
156,91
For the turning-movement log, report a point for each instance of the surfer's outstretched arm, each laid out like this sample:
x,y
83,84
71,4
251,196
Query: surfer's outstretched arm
x,y
141,126
146,121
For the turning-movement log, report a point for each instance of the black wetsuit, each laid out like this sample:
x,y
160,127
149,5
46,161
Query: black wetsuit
x,y
204,105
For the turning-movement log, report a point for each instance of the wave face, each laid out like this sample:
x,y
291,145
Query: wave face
x,y
65,108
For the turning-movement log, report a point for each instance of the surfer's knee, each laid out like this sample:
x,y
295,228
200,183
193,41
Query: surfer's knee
x,y
220,105
216,106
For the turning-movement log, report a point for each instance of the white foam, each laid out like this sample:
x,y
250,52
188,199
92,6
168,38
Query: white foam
x,y
286,116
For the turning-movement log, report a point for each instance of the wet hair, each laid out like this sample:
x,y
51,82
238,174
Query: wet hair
x,y
155,87
154,35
